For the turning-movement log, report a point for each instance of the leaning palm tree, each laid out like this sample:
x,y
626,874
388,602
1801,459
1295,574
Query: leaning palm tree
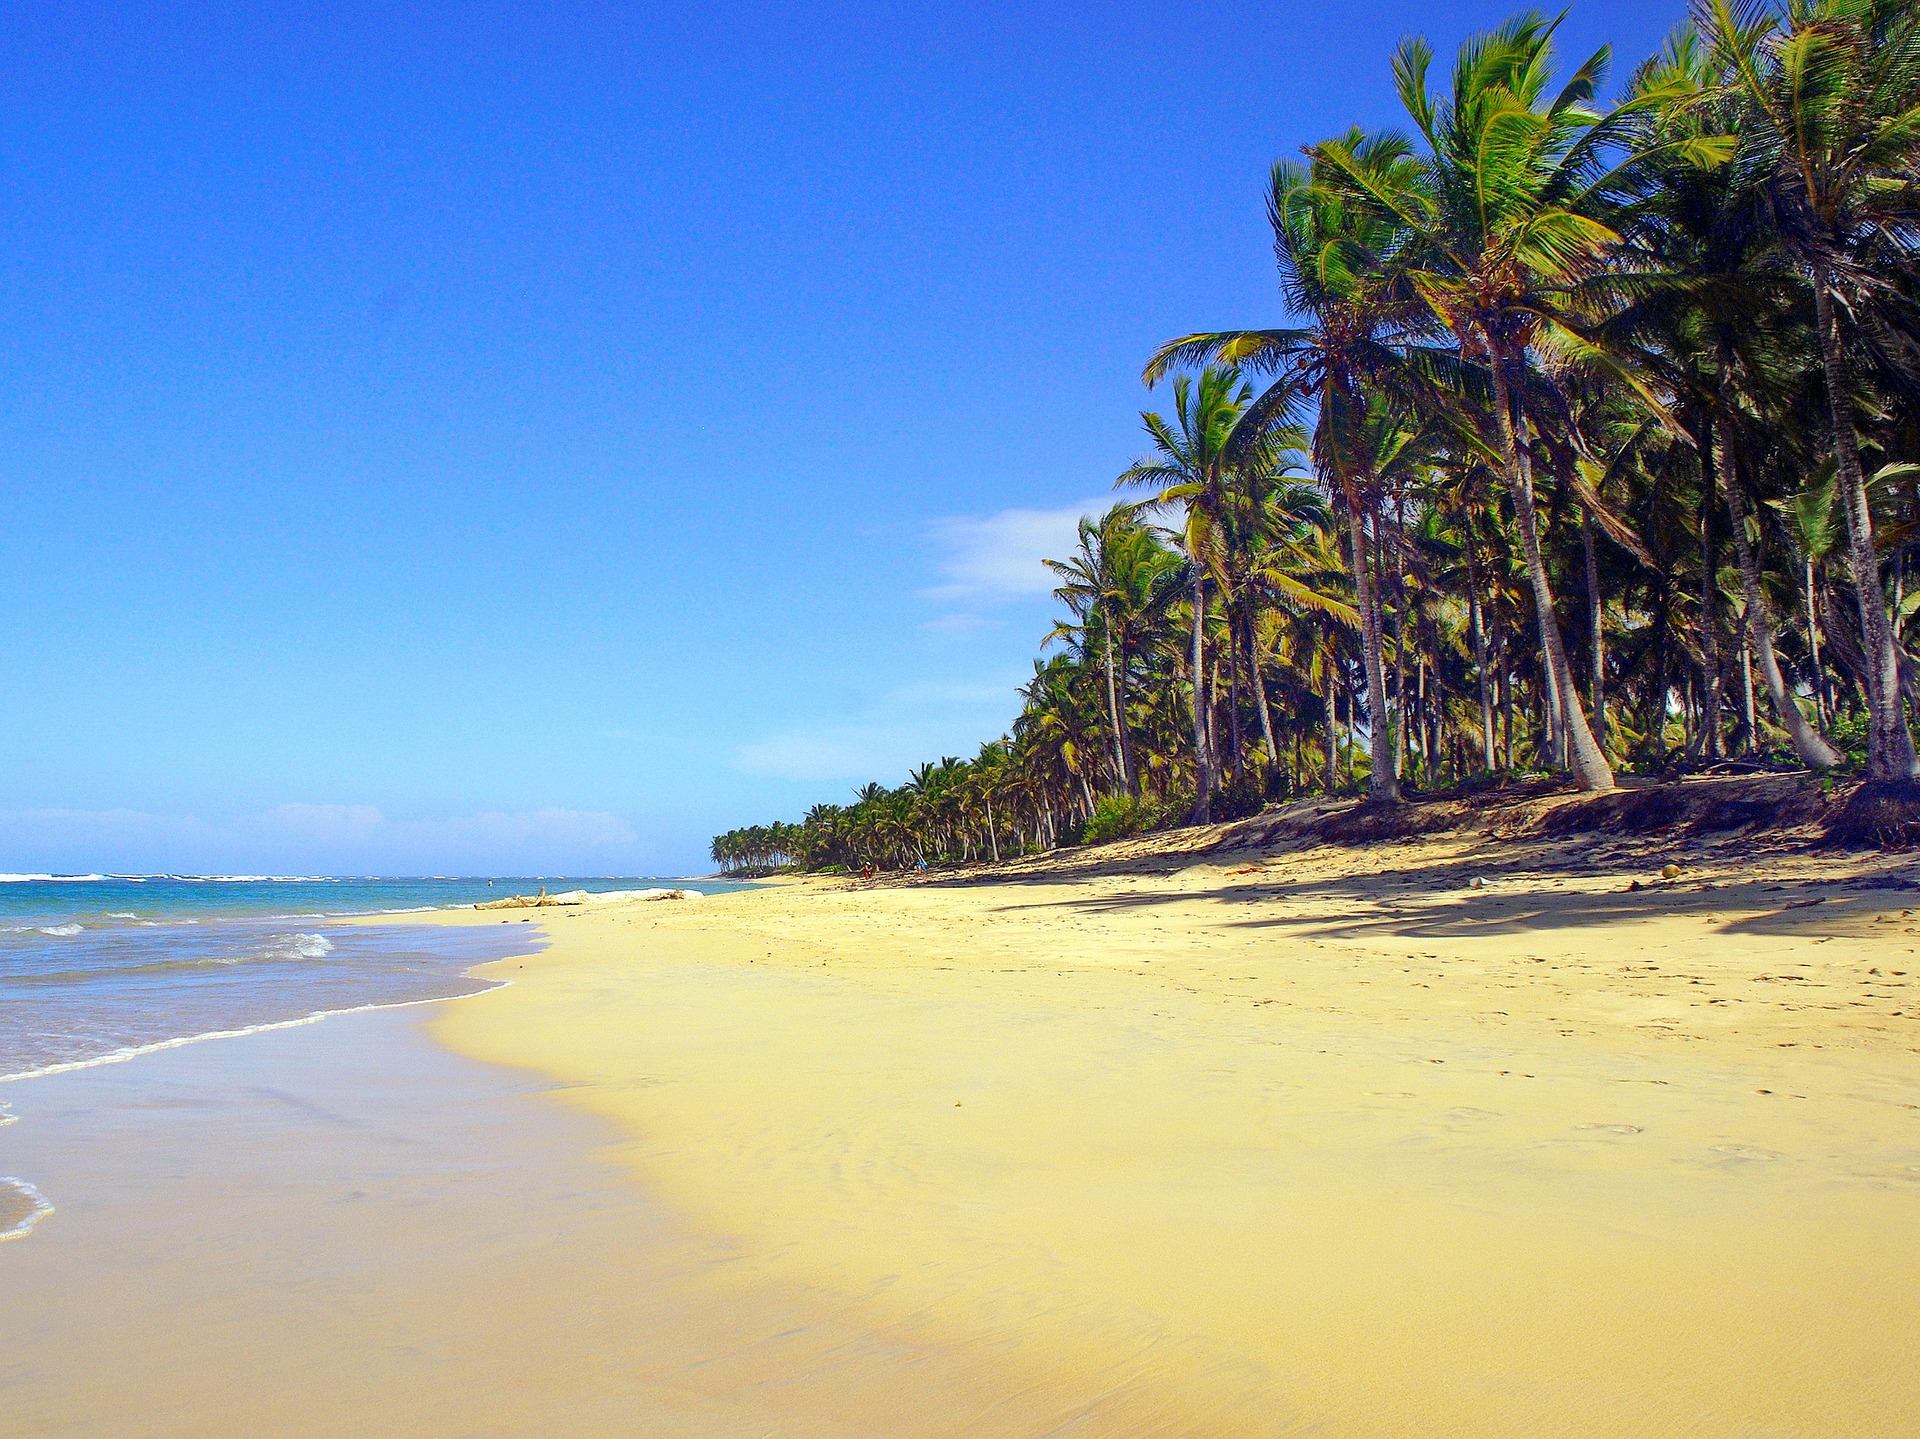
x,y
1833,92
1503,220
1358,322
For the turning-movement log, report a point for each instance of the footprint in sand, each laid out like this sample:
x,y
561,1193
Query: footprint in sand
x,y
1745,1153
1466,1113
1621,1129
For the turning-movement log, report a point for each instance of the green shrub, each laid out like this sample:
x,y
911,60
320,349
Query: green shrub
x,y
1849,731
1168,812
1116,817
1240,797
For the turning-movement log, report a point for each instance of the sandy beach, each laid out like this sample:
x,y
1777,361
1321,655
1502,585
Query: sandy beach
x,y
1333,1142
1450,1137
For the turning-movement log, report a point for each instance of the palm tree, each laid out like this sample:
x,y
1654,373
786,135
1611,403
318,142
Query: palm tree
x,y
1275,563
1118,584
1833,96
1503,219
1704,296
1336,274
1190,469
1719,316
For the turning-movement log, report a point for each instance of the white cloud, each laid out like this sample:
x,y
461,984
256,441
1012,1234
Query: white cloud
x,y
985,562
961,622
1001,556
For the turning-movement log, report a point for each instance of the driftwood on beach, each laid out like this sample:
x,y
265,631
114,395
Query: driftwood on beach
x,y
543,900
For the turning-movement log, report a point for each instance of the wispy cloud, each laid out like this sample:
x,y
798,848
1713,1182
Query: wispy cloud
x,y
987,558
985,563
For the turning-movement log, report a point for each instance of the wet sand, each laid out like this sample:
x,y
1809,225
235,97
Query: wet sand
x,y
343,1229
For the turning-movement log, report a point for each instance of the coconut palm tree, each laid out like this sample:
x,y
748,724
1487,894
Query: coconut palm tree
x,y
1504,217
1720,316
1117,585
1190,469
1832,91
1336,274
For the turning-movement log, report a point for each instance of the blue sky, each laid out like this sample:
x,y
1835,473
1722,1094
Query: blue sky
x,y
508,438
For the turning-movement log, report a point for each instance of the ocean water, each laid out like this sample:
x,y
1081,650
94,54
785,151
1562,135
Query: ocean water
x,y
95,968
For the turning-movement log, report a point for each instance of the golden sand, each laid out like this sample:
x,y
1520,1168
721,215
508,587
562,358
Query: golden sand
x,y
1343,1145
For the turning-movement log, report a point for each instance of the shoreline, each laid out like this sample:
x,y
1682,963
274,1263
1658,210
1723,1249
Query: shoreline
x,y
160,1046
311,1231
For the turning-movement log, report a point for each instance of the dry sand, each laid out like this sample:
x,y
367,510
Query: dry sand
x,y
1339,1146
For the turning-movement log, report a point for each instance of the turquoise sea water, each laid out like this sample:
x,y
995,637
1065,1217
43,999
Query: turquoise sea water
x,y
95,968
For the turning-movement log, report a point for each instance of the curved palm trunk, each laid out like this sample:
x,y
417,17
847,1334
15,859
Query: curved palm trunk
x,y
1808,743
1890,753
1260,697
1382,785
1590,768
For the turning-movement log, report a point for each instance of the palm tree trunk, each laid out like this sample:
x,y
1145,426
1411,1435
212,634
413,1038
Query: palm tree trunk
x,y
1260,697
1710,673
1596,632
1822,710
1808,743
1401,717
1333,736
1749,716
1419,721
1590,768
1213,720
1236,737
1485,681
1202,760
1381,784
1890,753
1119,728
1506,714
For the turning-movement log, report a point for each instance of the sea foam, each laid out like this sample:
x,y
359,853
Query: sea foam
x,y
21,1203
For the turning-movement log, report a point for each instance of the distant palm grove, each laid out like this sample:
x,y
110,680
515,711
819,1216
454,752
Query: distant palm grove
x,y
1591,445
